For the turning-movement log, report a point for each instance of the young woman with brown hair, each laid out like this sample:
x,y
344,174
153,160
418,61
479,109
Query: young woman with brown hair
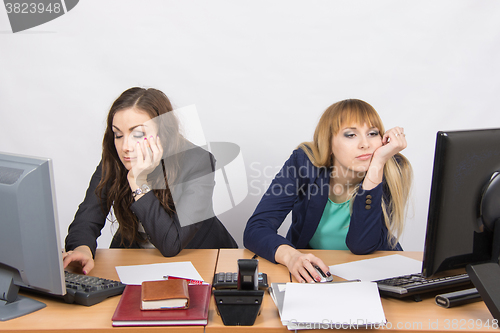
x,y
158,185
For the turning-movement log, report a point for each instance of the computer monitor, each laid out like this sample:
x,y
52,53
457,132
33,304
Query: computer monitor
x,y
30,247
465,164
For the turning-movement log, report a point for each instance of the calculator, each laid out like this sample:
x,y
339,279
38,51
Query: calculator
x,y
229,280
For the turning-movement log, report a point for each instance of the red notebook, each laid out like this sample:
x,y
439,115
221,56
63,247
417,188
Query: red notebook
x,y
129,313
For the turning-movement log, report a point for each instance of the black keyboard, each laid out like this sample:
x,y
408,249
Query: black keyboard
x,y
84,289
415,284
89,290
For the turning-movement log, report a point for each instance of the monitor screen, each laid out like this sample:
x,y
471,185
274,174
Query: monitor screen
x,y
30,247
464,163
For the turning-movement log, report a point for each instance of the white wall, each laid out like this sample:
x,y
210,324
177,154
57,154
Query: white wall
x,y
260,74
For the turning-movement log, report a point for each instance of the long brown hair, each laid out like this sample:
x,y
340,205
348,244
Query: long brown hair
x,y
397,171
114,189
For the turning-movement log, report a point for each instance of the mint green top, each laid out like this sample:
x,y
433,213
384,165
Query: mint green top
x,y
333,226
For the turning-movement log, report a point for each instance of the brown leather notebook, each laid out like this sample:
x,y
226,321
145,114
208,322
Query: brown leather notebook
x,y
164,295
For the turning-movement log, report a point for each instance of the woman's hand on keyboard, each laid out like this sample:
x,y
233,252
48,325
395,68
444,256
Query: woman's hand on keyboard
x,y
81,256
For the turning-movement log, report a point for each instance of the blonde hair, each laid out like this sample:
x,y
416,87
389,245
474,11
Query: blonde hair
x,y
397,171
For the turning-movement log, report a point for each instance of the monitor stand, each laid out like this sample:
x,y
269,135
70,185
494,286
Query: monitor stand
x,y
485,276
13,305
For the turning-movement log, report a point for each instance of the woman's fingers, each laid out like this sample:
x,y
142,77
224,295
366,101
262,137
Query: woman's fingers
x,y
87,267
322,266
393,141
156,150
81,258
395,133
153,151
399,138
299,264
149,153
304,271
307,271
140,152
160,147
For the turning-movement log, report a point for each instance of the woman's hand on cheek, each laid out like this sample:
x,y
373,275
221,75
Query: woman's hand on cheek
x,y
393,141
149,155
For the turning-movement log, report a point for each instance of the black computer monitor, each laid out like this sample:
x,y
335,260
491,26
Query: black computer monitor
x,y
465,163
30,247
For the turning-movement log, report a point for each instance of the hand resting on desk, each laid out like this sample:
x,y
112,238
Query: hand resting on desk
x,y
82,256
299,264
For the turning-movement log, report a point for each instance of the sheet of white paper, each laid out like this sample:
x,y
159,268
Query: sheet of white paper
x,y
377,268
332,305
136,274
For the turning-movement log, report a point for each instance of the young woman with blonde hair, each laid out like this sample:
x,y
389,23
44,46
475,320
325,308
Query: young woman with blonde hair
x,y
347,189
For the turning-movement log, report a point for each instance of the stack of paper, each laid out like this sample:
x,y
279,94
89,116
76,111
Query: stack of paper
x,y
277,292
375,269
332,306
137,274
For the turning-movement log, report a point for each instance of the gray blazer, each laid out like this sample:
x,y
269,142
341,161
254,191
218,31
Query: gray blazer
x,y
194,226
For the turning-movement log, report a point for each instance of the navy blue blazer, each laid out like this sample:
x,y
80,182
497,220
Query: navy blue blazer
x,y
303,189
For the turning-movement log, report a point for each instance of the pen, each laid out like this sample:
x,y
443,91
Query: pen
x,y
190,281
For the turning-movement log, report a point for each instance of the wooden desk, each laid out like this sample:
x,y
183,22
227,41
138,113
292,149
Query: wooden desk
x,y
402,314
59,316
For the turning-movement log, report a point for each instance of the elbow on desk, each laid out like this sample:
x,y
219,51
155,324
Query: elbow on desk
x,y
254,242
360,249
248,242
170,251
248,236
169,254
255,238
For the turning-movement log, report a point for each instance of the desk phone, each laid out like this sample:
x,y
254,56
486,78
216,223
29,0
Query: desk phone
x,y
230,280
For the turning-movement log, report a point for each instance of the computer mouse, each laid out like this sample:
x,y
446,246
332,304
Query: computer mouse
x,y
324,277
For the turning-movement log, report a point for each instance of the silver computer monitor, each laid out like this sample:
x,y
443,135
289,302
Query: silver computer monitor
x,y
30,247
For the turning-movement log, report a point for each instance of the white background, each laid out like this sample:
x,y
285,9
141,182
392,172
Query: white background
x,y
260,74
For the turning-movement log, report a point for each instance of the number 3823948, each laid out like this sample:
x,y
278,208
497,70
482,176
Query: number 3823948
x,y
465,324
32,8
